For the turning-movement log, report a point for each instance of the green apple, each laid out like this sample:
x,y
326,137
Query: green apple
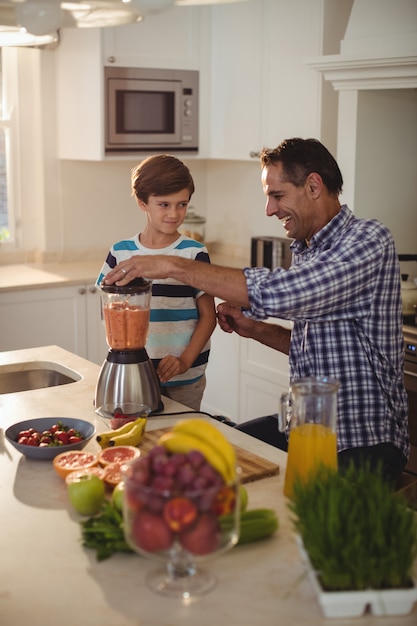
x,y
86,494
118,495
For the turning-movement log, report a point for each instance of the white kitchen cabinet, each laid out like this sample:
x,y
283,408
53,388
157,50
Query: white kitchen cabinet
x,y
264,376
221,396
65,316
169,40
261,88
236,79
255,86
291,91
245,379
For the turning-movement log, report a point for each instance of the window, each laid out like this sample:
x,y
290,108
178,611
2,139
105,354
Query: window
x,y
5,212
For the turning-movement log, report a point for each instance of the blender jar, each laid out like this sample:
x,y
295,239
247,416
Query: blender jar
x,y
126,312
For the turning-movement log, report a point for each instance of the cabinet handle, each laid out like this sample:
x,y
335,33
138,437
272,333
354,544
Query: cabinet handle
x,y
254,155
93,289
82,291
111,59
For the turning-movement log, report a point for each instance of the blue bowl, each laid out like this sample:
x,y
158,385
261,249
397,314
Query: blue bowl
x,y
40,424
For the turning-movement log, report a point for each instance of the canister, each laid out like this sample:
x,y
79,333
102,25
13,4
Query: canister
x,y
194,225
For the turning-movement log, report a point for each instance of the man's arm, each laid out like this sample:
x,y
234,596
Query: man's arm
x,y
222,282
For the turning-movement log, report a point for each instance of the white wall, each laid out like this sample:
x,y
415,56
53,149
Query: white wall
x,y
386,164
98,208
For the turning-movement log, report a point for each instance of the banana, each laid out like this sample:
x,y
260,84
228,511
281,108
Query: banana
x,y
205,431
104,438
183,443
133,437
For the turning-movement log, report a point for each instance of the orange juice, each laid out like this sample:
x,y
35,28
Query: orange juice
x,y
309,446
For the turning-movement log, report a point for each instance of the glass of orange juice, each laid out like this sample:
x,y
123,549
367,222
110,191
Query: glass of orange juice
x,y
310,409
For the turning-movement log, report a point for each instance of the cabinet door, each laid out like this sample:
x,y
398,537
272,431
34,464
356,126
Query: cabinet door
x,y
291,91
170,39
258,397
80,94
264,377
262,89
236,79
42,317
221,396
97,347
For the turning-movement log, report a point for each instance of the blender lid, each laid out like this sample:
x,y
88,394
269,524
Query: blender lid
x,y
137,285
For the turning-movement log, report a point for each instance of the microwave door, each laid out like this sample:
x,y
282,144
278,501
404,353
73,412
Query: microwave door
x,y
144,113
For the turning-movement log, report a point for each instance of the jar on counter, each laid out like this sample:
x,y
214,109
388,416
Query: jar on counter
x,y
193,225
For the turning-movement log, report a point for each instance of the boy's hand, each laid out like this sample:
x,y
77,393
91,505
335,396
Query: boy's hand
x,y
170,366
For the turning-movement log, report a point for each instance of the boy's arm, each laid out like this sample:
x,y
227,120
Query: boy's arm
x,y
171,366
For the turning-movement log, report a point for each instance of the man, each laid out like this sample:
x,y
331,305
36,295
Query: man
x,y
342,292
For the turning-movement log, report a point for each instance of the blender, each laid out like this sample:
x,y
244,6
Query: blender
x,y
127,377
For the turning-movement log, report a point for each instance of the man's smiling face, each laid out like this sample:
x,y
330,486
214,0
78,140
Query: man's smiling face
x,y
295,207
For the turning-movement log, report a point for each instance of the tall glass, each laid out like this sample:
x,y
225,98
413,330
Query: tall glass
x,y
310,410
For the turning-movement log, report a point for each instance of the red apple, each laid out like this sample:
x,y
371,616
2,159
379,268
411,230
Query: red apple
x,y
150,532
203,537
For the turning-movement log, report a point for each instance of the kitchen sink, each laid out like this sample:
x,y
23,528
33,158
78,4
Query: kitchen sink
x,y
33,375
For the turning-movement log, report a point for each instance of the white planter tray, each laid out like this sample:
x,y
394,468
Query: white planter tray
x,y
355,603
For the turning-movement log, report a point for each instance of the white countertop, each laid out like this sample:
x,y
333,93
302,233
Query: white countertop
x,y
20,276
47,578
35,276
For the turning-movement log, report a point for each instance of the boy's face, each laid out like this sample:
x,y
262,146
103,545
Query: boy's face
x,y
165,214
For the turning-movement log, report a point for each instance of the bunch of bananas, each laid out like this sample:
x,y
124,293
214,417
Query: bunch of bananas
x,y
131,434
198,434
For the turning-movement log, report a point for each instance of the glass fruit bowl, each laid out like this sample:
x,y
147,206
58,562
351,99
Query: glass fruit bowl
x,y
173,511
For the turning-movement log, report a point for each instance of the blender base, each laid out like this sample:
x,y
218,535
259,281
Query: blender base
x,y
128,377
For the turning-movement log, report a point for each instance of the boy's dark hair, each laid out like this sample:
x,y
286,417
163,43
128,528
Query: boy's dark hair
x,y
160,175
301,157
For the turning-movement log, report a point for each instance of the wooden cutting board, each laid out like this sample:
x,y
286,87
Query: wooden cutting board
x,y
253,467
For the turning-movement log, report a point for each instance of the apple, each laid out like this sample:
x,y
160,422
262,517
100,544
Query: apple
x,y
86,494
150,532
202,538
118,495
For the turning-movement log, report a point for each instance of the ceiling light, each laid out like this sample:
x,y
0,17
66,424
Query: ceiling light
x,y
14,36
39,17
98,14
36,21
189,3
149,7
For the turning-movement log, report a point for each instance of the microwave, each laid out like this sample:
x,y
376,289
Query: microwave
x,y
150,109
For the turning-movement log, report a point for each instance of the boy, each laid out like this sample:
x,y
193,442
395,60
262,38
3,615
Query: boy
x,y
182,318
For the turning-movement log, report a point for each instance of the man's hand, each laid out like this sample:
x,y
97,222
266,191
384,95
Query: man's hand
x,y
231,319
145,266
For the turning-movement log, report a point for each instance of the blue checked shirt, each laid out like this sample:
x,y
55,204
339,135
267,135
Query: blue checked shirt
x,y
343,294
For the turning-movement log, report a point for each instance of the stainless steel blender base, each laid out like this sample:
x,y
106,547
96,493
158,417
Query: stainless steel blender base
x,y
121,381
